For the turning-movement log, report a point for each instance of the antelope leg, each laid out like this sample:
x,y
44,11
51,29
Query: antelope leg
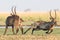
x,y
5,30
13,29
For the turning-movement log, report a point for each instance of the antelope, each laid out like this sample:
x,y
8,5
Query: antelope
x,y
14,21
45,26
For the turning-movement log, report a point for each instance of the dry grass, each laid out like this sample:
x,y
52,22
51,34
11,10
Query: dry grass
x,y
42,15
29,37
30,15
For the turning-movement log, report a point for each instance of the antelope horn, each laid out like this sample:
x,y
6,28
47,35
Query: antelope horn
x,y
12,10
15,10
55,14
50,14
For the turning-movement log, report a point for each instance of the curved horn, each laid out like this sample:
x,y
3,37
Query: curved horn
x,y
15,10
55,14
12,10
50,14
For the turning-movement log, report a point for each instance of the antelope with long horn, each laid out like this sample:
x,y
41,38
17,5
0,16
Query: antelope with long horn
x,y
14,21
46,26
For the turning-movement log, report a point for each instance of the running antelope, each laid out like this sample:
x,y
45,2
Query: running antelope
x,y
46,26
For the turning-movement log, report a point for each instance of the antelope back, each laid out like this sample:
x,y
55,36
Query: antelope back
x,y
11,19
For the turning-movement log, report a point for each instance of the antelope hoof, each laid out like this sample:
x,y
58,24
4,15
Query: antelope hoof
x,y
47,33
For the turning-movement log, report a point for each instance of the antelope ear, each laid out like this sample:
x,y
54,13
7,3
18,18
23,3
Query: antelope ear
x,y
21,19
11,14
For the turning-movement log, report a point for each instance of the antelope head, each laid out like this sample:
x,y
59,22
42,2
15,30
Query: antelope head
x,y
53,19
